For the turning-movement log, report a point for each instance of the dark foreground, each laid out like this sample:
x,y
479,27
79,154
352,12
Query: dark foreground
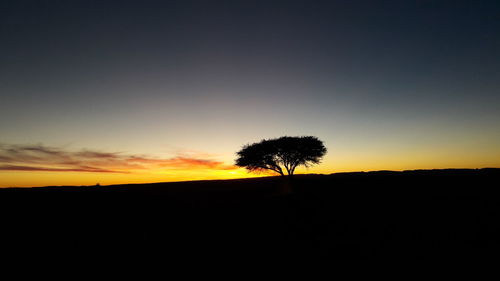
x,y
419,214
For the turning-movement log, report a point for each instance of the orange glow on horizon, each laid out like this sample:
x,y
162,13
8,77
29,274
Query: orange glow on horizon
x,y
31,166
35,179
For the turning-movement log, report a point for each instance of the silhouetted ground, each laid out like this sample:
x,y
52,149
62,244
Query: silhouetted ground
x,y
424,214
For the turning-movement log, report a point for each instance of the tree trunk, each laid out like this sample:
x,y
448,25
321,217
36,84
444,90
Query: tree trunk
x,y
287,185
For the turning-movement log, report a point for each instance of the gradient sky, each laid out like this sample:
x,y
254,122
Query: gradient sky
x,y
148,91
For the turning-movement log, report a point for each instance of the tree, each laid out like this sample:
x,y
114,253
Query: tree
x,y
281,154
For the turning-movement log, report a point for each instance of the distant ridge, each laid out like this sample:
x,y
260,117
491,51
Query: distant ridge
x,y
447,170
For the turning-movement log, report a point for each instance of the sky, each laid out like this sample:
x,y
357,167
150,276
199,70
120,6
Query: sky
x,y
116,92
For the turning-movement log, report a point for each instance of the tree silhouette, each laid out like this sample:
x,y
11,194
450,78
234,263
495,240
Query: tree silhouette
x,y
281,154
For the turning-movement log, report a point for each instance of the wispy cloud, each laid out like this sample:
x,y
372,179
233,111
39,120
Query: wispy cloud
x,y
51,159
185,163
45,169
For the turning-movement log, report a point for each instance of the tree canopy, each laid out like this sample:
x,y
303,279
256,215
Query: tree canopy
x,y
281,154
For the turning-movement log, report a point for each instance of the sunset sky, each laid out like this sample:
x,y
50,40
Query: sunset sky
x,y
148,91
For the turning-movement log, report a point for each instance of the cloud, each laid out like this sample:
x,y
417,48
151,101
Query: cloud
x,y
94,154
50,159
45,169
184,162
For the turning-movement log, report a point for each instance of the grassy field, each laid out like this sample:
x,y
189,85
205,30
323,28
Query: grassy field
x,y
421,214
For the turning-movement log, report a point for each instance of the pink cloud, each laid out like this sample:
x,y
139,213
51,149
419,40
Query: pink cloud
x,y
42,158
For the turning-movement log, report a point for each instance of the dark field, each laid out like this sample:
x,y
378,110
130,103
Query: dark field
x,y
416,214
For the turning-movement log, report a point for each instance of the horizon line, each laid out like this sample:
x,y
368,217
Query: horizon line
x,y
244,178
